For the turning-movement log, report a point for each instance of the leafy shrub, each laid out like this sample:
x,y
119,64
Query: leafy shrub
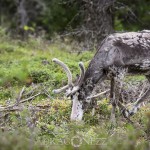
x,y
39,76
5,94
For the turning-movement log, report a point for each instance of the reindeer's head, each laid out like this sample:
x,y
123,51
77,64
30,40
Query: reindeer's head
x,y
78,93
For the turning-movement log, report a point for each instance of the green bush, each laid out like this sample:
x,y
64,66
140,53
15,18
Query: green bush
x,y
39,76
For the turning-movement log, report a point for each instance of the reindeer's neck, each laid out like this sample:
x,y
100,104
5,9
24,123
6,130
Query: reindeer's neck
x,y
95,70
92,76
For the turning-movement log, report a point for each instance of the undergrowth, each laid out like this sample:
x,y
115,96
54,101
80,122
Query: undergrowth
x,y
28,63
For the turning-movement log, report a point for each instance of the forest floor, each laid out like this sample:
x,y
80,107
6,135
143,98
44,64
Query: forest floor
x,y
32,117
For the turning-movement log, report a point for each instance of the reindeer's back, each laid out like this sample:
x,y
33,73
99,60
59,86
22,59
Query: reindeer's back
x,y
131,50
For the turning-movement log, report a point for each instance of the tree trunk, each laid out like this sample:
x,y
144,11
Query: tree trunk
x,y
98,21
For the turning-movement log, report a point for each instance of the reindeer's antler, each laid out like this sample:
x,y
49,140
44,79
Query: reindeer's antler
x,y
69,75
82,74
97,95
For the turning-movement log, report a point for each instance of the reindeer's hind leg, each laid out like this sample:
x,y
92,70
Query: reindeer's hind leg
x,y
141,99
113,101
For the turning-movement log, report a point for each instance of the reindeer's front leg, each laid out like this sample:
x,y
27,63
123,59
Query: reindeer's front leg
x,y
113,101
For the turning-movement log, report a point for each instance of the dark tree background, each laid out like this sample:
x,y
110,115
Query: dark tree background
x,y
89,21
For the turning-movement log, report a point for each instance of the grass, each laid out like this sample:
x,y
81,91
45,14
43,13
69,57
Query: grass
x,y
28,62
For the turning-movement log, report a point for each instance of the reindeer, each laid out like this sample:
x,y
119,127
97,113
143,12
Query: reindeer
x,y
118,51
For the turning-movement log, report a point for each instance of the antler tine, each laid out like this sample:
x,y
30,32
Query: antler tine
x,y
82,73
56,91
68,72
66,69
97,95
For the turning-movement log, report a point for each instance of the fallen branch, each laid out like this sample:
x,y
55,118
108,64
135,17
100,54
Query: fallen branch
x,y
22,101
20,108
97,95
20,95
30,98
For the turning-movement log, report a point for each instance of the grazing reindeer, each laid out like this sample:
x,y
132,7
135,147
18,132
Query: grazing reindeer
x,y
130,51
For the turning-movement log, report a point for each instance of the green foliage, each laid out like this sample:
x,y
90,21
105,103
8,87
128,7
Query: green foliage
x,y
17,141
12,73
30,61
52,16
52,129
5,93
49,127
57,16
39,76
132,15
58,114
27,28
